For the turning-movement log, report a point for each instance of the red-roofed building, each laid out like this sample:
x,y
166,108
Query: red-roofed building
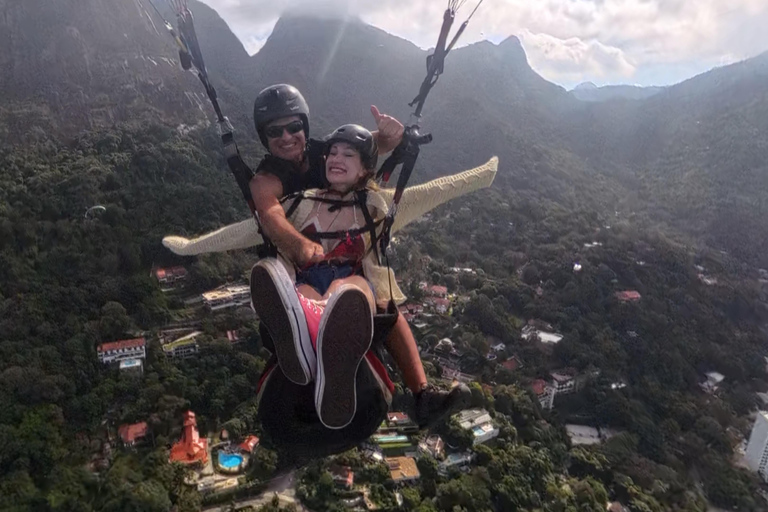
x,y
343,476
171,275
512,364
233,337
544,392
438,291
398,418
628,296
191,449
132,434
121,350
249,444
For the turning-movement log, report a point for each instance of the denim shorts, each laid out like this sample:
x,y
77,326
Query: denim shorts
x,y
321,276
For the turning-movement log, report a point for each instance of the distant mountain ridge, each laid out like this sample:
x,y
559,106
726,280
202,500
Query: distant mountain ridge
x,y
696,143
588,91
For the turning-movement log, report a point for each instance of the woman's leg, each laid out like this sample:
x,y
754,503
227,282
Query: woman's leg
x,y
356,281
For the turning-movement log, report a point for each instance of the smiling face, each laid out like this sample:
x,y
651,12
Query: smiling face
x,y
288,146
343,167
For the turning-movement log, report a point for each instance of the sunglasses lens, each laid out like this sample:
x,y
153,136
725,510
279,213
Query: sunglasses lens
x,y
274,132
294,127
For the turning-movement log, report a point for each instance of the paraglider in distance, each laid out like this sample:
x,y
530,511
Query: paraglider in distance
x,y
94,211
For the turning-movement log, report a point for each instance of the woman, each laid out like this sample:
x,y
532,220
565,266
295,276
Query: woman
x,y
324,328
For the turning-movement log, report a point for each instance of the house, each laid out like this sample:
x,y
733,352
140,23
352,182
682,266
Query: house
x,y
403,469
628,296
184,347
190,450
544,392
234,337
512,364
438,291
479,422
456,375
713,381
433,445
583,435
132,367
398,419
121,350
455,460
439,305
227,297
548,338
130,435
564,382
249,444
445,345
170,276
499,347
343,476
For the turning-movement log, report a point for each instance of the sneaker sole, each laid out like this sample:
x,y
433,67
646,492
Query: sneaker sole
x,y
345,335
275,301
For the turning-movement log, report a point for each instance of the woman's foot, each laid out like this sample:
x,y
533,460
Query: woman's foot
x,y
345,335
277,303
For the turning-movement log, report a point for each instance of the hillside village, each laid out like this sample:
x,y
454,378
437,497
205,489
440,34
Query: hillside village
x,y
219,464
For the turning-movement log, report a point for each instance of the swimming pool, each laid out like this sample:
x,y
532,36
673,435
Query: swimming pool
x,y
230,460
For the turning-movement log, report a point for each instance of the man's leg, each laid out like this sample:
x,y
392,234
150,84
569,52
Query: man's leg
x,y
432,404
402,346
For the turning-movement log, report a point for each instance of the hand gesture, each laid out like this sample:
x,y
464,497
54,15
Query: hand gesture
x,y
390,129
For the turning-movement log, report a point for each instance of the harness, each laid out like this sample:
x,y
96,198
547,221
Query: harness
x,y
360,200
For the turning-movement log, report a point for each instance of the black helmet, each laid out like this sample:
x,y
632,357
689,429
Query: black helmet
x,y
276,101
360,138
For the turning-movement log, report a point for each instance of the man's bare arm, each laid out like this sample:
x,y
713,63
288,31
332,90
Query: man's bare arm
x,y
266,189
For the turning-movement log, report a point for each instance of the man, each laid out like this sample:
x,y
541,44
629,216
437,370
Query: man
x,y
294,163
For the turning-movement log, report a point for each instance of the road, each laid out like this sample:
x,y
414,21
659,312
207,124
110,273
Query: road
x,y
283,486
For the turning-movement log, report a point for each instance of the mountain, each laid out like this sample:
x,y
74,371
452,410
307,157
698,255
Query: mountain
x,y
588,91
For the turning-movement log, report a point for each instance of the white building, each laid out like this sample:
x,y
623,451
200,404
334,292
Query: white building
x,y
548,338
183,347
480,423
545,393
757,449
564,383
713,381
121,350
227,297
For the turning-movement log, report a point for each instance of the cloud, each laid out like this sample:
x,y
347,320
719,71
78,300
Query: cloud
x,y
600,40
569,60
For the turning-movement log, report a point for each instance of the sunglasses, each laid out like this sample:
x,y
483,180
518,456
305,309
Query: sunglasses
x,y
274,132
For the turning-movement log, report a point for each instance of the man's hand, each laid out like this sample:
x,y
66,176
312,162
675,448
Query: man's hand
x,y
310,252
389,130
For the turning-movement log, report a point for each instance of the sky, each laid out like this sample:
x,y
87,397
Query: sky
x,y
639,42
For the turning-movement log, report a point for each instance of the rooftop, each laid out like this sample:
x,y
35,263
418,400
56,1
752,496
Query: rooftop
x,y
131,433
121,345
539,387
249,444
402,468
628,295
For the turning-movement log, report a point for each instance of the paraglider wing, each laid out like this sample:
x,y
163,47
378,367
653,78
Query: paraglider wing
x,y
94,211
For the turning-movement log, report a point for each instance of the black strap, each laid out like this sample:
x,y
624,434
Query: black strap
x,y
370,224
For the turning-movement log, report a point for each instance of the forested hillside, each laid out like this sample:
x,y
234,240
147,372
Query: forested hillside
x,y
635,194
